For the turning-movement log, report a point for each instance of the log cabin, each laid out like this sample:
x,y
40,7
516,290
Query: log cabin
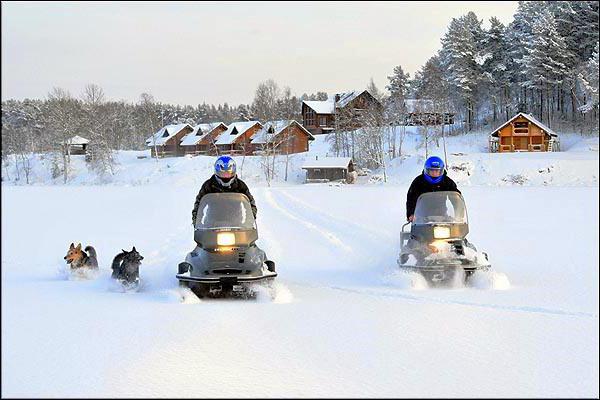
x,y
523,132
281,137
202,139
166,142
319,117
236,139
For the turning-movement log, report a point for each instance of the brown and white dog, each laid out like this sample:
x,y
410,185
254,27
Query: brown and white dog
x,y
78,258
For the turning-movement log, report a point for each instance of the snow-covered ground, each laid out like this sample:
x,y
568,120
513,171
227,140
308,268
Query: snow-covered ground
x,y
344,322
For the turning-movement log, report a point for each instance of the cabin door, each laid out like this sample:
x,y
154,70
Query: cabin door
x,y
521,143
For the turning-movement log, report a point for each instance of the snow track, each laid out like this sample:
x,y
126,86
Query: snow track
x,y
339,325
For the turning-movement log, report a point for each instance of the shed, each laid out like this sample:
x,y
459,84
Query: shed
x,y
327,169
77,145
523,132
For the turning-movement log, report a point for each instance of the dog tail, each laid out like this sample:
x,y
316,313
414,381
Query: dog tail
x,y
91,251
92,258
116,265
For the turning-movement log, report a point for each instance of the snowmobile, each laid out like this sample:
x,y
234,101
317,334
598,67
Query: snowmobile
x,y
437,246
226,261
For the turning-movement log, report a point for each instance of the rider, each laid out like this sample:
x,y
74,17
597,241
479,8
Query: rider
x,y
223,180
433,179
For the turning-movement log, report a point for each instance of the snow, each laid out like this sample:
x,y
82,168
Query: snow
x,y
328,106
418,105
77,140
227,137
345,322
347,97
321,107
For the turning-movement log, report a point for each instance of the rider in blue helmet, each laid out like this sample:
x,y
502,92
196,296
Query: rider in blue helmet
x,y
223,180
433,179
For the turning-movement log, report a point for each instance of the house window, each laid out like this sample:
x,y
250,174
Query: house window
x,y
322,121
310,117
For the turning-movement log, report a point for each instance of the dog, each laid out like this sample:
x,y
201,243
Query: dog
x,y
78,258
126,266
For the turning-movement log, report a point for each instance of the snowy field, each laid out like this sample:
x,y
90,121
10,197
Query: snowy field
x,y
344,322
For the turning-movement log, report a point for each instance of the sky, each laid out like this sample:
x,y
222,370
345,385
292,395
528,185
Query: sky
x,y
196,52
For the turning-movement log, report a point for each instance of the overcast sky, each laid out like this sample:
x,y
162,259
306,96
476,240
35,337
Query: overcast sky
x,y
189,53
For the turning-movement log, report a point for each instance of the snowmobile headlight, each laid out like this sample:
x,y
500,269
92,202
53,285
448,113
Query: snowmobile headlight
x,y
225,239
441,232
438,246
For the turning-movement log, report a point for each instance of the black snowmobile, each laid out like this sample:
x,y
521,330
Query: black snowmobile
x,y
437,246
226,261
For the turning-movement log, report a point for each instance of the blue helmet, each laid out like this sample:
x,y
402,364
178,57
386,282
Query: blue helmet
x,y
433,163
225,168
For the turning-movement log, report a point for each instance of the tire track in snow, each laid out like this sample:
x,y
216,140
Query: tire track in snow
x,y
332,238
422,299
344,224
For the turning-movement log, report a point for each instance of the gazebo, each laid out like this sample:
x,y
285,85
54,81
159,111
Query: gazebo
x,y
77,145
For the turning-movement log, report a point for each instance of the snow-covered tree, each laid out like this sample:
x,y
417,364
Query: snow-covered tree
x,y
545,62
462,60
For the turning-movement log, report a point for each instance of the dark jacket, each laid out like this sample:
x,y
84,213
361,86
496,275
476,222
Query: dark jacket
x,y
420,185
213,186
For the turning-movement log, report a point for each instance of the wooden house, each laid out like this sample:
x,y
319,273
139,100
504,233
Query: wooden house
x,y
167,140
281,137
202,139
326,169
76,145
424,112
236,139
523,132
320,116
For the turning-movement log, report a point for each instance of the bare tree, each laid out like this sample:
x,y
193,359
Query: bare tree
x,y
97,120
149,115
62,121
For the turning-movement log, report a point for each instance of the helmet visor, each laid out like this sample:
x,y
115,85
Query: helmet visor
x,y
226,173
434,172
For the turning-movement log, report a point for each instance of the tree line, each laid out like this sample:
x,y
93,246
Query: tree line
x,y
544,62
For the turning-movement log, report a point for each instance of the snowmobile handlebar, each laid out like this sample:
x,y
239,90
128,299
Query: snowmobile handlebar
x,y
407,223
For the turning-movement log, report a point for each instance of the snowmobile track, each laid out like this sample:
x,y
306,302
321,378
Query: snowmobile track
x,y
423,299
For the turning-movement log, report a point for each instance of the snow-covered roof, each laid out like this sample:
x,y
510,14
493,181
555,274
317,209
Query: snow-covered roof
x,y
199,132
328,162
347,97
78,140
322,106
263,136
165,134
235,130
328,106
418,105
530,118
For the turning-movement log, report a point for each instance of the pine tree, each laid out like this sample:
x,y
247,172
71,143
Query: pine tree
x,y
545,62
461,58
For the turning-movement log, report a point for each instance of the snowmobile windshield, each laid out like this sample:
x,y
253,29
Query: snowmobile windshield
x,y
435,207
224,210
